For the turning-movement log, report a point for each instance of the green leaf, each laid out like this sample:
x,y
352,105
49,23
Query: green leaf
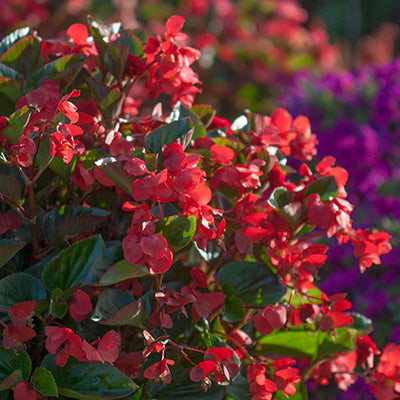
x,y
178,131
11,362
16,124
89,380
9,248
329,346
117,308
108,100
205,112
70,221
180,112
122,271
13,38
178,230
326,188
234,308
239,388
8,72
58,305
128,38
12,380
10,92
115,59
43,157
115,171
360,323
44,383
71,267
63,70
278,198
20,287
252,282
23,55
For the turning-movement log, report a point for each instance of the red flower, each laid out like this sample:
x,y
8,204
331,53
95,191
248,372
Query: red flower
x,y
80,305
107,348
24,391
269,319
221,154
21,313
66,107
15,334
159,371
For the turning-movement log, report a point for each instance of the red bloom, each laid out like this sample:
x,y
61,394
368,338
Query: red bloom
x,y
15,334
80,305
107,348
159,371
24,391
67,108
366,350
221,154
269,319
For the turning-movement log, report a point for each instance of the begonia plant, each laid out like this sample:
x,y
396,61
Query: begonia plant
x,y
148,251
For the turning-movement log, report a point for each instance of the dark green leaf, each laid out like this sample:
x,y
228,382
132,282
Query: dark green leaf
x,y
178,230
63,70
115,171
326,188
128,38
43,157
8,72
180,112
8,249
20,287
115,59
23,55
11,361
58,305
70,221
279,198
117,308
12,380
252,282
10,92
234,308
89,380
44,383
328,346
204,112
122,271
71,267
239,388
13,38
16,124
360,323
177,131
108,100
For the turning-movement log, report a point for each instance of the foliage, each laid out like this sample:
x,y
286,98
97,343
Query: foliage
x,y
150,254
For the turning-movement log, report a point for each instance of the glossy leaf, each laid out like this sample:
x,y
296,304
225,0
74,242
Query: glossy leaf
x,y
16,124
23,55
178,230
44,383
63,70
234,308
326,188
252,282
128,38
58,305
13,38
115,171
89,380
205,112
360,323
115,59
122,271
43,157
279,198
11,362
177,131
9,248
117,308
20,287
180,112
9,72
69,220
71,266
10,92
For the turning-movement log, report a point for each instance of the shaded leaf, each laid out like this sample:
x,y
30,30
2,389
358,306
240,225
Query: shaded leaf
x,y
205,112
70,221
360,323
252,282
121,271
176,131
44,383
234,308
8,72
20,287
13,38
115,59
71,267
178,230
9,248
326,188
16,124
117,308
128,38
58,305
89,380
11,362
115,171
